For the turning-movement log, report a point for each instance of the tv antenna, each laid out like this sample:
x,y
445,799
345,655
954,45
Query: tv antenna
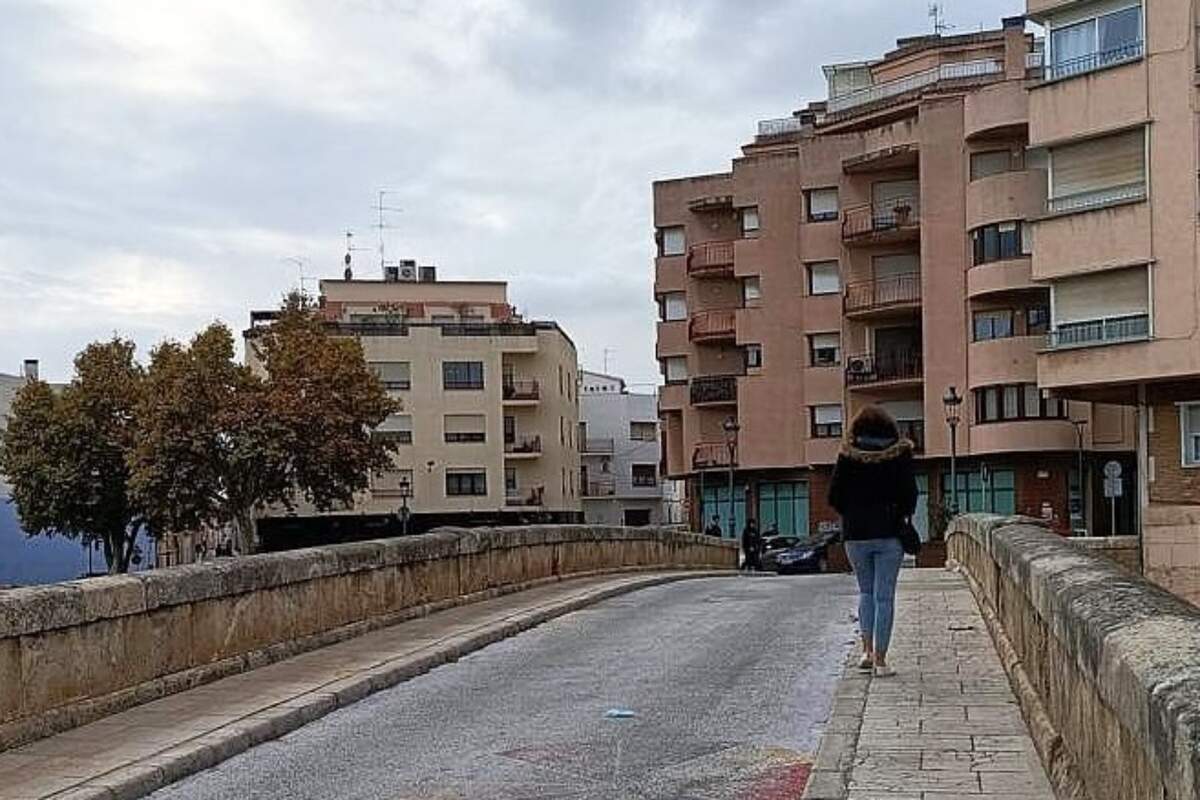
x,y
301,263
350,250
937,15
382,208
607,351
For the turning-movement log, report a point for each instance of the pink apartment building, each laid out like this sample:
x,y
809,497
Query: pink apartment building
x,y
881,246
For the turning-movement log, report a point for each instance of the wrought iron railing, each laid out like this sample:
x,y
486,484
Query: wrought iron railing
x,y
524,445
532,498
599,487
1081,201
881,217
714,389
521,389
910,83
895,365
1093,61
883,292
488,329
1109,330
710,258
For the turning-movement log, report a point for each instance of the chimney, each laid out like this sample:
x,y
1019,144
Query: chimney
x,y
1016,45
30,370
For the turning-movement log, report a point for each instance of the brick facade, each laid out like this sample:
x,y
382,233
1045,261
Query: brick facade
x,y
1172,482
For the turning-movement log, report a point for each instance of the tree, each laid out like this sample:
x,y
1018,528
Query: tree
x,y
66,455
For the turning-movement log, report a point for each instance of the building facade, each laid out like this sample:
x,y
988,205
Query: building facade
x,y
489,421
1114,120
618,434
876,247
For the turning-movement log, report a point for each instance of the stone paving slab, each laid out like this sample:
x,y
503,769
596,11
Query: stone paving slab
x,y
133,753
946,726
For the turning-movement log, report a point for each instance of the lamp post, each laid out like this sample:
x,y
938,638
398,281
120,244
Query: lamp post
x,y
952,400
405,493
1080,424
731,428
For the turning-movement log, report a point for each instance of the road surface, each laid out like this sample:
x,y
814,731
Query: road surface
x,y
729,680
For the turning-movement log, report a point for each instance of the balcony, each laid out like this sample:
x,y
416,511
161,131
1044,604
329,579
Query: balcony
x,y
881,294
1098,198
709,455
599,446
711,260
914,431
521,390
963,70
1093,333
530,499
604,486
894,220
523,447
1091,62
780,127
874,369
714,390
713,326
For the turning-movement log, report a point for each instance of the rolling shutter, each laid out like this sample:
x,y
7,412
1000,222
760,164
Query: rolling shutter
x,y
1097,164
1118,293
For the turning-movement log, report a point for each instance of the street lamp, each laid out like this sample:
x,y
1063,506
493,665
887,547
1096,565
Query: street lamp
x,y
405,493
731,428
952,400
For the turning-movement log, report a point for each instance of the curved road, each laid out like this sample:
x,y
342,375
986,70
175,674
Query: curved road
x,y
729,679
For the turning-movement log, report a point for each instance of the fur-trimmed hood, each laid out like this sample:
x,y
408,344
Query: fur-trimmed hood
x,y
887,452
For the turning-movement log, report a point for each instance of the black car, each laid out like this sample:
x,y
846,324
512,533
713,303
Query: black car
x,y
803,555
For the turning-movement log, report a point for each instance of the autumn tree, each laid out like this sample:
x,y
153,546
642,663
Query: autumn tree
x,y
66,454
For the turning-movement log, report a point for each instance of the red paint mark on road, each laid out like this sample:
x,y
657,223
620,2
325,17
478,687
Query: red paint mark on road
x,y
784,782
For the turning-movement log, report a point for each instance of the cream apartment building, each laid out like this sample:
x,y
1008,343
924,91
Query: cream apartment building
x,y
1114,119
488,427
878,246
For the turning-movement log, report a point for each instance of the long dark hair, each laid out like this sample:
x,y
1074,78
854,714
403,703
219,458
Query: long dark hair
x,y
874,422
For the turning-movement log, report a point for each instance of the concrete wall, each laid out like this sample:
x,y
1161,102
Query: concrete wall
x,y
73,652
1104,662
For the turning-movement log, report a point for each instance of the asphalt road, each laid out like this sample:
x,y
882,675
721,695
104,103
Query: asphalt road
x,y
729,679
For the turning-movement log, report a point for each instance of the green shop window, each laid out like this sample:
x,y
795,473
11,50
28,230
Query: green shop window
x,y
784,505
716,501
992,491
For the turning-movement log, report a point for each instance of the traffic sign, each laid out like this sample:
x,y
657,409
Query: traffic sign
x,y
1113,487
1112,469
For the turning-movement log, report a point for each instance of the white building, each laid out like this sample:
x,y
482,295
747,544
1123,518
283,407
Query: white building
x,y
620,454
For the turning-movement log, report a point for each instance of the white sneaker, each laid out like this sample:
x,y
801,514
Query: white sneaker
x,y
866,663
884,672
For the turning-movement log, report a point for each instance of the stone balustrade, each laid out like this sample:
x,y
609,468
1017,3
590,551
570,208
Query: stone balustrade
x,y
1106,664
73,652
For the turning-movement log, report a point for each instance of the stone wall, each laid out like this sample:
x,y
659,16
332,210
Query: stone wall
x,y
1124,550
1105,662
73,652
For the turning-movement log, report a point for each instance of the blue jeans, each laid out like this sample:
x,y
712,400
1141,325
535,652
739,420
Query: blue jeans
x,y
876,565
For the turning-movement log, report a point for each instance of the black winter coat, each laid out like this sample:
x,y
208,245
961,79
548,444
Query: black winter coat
x,y
874,488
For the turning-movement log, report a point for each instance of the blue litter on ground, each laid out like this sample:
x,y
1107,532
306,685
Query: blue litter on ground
x,y
619,713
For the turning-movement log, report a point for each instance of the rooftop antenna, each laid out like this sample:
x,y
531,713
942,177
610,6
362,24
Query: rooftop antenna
x,y
607,351
381,208
300,263
937,15
350,250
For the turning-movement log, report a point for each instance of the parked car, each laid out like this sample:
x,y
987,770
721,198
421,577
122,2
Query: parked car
x,y
804,555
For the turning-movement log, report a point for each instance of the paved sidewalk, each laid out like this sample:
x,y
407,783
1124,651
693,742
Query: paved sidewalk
x,y
946,726
133,753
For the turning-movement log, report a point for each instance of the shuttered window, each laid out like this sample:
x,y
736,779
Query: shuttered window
x,y
675,369
671,241
396,427
1117,293
674,306
886,193
825,349
890,266
992,162
1189,426
1098,171
823,278
395,375
461,428
822,205
826,422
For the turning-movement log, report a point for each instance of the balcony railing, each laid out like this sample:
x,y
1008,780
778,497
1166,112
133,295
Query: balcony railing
x,y
1110,330
710,259
598,445
911,83
1093,61
884,292
714,389
708,455
891,215
779,127
599,487
521,389
488,329
524,445
712,325
1081,201
885,367
914,431
529,499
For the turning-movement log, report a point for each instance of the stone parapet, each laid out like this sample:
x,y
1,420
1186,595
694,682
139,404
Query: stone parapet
x,y
1112,658
73,652
1124,550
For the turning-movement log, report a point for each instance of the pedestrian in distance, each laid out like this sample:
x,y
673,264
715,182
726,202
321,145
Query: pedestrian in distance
x,y
875,491
714,527
751,547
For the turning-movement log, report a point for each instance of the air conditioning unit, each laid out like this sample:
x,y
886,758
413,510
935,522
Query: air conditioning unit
x,y
408,273
857,366
403,271
428,274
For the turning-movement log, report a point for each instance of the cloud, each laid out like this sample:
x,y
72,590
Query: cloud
x,y
161,160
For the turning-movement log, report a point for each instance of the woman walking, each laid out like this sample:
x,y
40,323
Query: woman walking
x,y
875,491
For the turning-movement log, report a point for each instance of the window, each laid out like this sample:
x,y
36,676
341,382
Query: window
x,y
822,205
675,369
636,517
465,428
644,475
993,325
394,375
671,241
393,481
396,428
754,356
1101,308
1020,401
511,488
1037,320
1097,172
823,278
1095,43
1189,426
643,431
462,374
984,490
673,306
751,291
826,422
510,430
462,483
1000,241
825,349
994,162
749,220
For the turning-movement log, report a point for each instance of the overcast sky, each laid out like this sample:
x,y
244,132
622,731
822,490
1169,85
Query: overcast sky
x,y
159,161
